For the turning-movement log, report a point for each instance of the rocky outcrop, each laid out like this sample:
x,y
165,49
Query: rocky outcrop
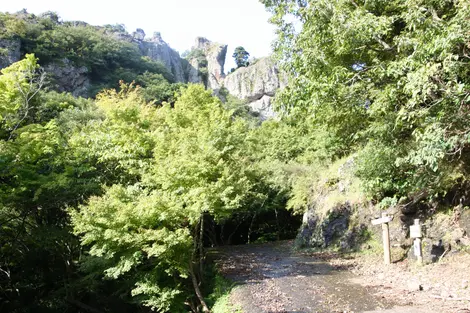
x,y
66,77
340,216
263,107
207,61
215,55
157,49
257,84
196,71
9,52
138,35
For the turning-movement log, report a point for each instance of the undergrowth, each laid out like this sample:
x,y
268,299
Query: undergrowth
x,y
218,289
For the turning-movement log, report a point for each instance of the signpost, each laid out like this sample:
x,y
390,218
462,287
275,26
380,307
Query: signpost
x,y
415,232
384,220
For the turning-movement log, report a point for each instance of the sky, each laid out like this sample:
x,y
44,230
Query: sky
x,y
233,22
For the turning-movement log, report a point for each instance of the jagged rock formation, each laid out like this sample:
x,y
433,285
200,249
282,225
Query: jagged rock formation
x,y
257,84
157,49
196,70
69,78
138,35
207,60
9,52
215,55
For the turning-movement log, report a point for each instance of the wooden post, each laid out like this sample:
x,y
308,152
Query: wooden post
x,y
384,220
415,232
386,241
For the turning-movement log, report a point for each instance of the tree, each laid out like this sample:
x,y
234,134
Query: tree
x,y
386,79
172,165
39,178
241,57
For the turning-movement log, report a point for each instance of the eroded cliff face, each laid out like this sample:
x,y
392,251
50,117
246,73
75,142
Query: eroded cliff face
x,y
207,61
157,49
9,52
215,54
65,76
257,84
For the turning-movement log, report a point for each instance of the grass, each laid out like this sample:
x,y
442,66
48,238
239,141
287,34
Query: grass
x,y
219,289
223,305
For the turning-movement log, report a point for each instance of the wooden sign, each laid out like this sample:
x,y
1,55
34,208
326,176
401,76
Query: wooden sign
x,y
415,230
417,249
382,220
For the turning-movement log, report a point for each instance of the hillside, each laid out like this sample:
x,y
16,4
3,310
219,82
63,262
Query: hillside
x,y
124,165
83,59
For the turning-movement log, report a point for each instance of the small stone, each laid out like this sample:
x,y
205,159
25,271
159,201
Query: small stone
x,y
414,286
457,234
444,294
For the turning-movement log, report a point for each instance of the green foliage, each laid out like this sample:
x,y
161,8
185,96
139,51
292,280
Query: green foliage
x,y
134,231
39,177
107,58
170,165
14,84
387,79
156,88
219,292
241,56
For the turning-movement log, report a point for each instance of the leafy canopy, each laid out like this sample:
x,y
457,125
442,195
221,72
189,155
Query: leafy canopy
x,y
241,57
389,79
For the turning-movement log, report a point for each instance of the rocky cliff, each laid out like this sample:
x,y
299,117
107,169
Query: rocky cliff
x,y
257,84
157,49
339,216
215,55
9,52
64,76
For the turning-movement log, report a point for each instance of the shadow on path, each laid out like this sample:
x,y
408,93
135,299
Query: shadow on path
x,y
272,278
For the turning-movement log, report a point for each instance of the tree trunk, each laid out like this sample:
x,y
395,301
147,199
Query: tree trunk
x,y
222,239
205,308
278,226
210,234
250,229
229,240
201,248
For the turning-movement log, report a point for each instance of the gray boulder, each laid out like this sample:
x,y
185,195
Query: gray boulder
x,y
138,35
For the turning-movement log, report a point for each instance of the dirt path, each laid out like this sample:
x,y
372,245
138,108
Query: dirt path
x,y
272,278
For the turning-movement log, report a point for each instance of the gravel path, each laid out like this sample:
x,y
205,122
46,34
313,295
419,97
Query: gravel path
x,y
271,278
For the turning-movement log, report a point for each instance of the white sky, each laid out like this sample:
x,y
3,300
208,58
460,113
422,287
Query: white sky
x,y
233,22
